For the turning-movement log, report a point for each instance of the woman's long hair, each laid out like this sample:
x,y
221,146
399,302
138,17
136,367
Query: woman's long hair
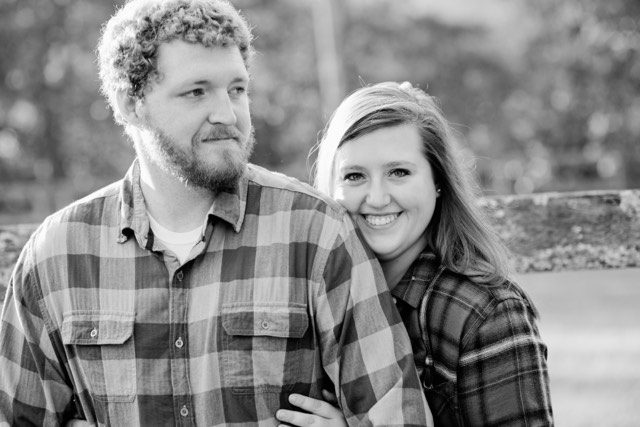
x,y
458,233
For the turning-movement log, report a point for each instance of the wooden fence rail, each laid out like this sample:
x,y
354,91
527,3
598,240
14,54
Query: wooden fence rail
x,y
545,231
570,231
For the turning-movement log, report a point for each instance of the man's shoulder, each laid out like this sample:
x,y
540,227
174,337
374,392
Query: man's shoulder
x,y
86,208
75,229
100,208
302,192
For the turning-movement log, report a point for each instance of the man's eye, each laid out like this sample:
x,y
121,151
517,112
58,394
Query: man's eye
x,y
194,93
399,173
353,177
237,91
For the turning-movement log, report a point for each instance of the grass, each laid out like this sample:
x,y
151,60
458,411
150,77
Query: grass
x,y
591,323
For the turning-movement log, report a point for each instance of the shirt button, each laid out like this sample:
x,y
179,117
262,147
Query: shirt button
x,y
264,324
179,343
94,333
180,276
184,411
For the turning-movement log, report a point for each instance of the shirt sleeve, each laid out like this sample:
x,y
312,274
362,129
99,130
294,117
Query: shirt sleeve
x,y
365,348
33,390
502,373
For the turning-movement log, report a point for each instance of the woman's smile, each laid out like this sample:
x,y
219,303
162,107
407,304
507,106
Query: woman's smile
x,y
377,220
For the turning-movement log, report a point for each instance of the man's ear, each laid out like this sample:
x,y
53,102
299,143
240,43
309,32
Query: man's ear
x,y
128,107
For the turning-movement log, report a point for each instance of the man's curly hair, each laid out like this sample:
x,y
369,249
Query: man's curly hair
x,y
128,47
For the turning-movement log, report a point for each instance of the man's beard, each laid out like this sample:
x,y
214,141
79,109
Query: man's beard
x,y
193,171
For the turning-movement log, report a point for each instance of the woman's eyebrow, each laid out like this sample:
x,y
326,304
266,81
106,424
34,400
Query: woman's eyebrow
x,y
397,163
351,167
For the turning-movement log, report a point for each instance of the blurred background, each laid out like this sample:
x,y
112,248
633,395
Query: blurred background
x,y
544,96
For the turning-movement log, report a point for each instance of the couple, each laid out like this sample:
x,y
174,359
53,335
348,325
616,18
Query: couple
x,y
203,290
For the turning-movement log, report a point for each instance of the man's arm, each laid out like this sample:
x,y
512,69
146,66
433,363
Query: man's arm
x,y
33,390
502,376
365,348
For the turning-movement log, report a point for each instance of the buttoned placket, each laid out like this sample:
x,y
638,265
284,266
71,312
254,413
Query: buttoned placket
x,y
178,300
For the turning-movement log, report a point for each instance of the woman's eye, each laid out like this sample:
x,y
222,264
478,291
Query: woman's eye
x,y
353,177
399,173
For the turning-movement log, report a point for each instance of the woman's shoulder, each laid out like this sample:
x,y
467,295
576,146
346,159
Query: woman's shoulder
x,y
477,296
455,304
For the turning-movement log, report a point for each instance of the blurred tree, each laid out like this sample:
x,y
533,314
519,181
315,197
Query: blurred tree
x,y
581,95
456,62
285,95
544,98
328,30
51,113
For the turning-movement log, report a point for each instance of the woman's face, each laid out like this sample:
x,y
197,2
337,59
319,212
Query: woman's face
x,y
384,180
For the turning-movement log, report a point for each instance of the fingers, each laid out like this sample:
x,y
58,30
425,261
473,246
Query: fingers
x,y
321,412
330,397
78,423
297,418
315,406
301,419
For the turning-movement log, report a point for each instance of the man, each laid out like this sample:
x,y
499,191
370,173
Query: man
x,y
200,289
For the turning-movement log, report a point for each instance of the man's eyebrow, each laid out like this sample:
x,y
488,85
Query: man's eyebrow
x,y
203,82
240,80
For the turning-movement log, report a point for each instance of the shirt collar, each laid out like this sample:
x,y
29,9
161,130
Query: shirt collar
x,y
229,207
133,212
413,285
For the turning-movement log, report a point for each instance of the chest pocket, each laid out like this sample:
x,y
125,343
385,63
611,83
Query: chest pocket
x,y
263,346
103,345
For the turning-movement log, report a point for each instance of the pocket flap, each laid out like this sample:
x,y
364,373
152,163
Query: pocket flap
x,y
96,327
283,321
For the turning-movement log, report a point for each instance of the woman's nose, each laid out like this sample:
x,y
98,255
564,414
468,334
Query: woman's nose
x,y
378,196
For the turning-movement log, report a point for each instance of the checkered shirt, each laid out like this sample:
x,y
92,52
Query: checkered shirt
x,y
278,297
477,348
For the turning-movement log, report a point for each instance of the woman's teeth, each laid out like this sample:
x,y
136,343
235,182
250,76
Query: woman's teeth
x,y
378,220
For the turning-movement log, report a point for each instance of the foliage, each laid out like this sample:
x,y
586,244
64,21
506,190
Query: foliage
x,y
544,100
581,95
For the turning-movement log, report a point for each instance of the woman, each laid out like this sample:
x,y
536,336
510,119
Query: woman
x,y
387,156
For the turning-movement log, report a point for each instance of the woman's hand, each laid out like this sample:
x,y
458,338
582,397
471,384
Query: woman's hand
x,y
78,423
321,413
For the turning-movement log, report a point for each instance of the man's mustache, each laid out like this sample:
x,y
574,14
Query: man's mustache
x,y
219,132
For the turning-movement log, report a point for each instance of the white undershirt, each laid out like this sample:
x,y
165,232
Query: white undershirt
x,y
180,243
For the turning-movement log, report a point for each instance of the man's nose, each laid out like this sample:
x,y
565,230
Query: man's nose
x,y
222,111
378,196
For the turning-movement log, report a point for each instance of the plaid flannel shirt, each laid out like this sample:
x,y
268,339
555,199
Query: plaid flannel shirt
x,y
477,348
279,297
